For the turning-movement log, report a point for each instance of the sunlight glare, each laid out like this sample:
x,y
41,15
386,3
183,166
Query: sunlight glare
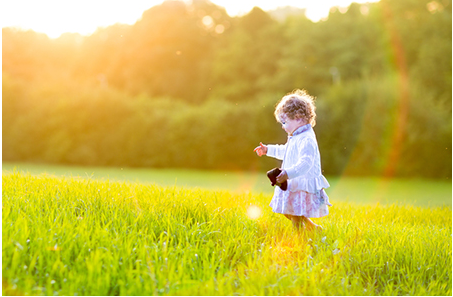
x,y
253,212
208,21
54,17
315,10
219,29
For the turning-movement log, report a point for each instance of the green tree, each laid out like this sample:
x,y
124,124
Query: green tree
x,y
245,63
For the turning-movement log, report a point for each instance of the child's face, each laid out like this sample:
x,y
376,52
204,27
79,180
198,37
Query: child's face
x,y
290,125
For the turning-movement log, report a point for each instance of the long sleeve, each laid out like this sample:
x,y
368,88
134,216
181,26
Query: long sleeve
x,y
303,164
276,151
306,160
305,195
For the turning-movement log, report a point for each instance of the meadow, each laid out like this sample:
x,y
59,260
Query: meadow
x,y
72,235
359,190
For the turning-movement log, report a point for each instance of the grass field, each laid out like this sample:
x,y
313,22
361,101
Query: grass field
x,y
89,236
360,190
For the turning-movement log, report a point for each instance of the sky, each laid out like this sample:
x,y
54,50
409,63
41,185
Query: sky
x,y
55,17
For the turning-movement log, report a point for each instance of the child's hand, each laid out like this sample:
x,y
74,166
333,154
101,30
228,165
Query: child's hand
x,y
282,177
261,150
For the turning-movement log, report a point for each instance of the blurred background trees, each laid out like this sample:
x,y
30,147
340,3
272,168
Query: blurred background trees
x,y
189,86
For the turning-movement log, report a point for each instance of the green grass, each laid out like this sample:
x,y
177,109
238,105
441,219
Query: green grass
x,y
85,236
360,190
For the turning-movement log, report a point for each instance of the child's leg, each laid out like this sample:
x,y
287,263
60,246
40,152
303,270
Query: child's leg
x,y
310,224
293,219
297,221
300,221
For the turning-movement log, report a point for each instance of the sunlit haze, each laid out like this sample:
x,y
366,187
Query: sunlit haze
x,y
55,17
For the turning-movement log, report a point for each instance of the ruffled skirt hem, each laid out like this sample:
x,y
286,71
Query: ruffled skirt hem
x,y
301,203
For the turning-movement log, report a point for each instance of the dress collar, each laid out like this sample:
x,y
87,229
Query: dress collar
x,y
301,129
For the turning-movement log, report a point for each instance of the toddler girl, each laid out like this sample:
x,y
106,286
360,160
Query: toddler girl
x,y
305,196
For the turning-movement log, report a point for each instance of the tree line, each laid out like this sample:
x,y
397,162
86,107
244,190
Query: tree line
x,y
189,86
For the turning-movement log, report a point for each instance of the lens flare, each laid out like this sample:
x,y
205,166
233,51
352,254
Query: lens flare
x,y
253,212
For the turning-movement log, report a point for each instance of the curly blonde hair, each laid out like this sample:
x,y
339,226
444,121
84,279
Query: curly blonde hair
x,y
297,105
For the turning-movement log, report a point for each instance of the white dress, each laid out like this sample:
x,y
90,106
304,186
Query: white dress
x,y
305,195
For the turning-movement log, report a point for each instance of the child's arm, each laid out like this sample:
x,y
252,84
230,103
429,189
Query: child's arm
x,y
276,151
304,165
272,150
305,162
282,177
261,150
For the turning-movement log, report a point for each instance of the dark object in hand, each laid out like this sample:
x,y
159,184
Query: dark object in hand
x,y
272,175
